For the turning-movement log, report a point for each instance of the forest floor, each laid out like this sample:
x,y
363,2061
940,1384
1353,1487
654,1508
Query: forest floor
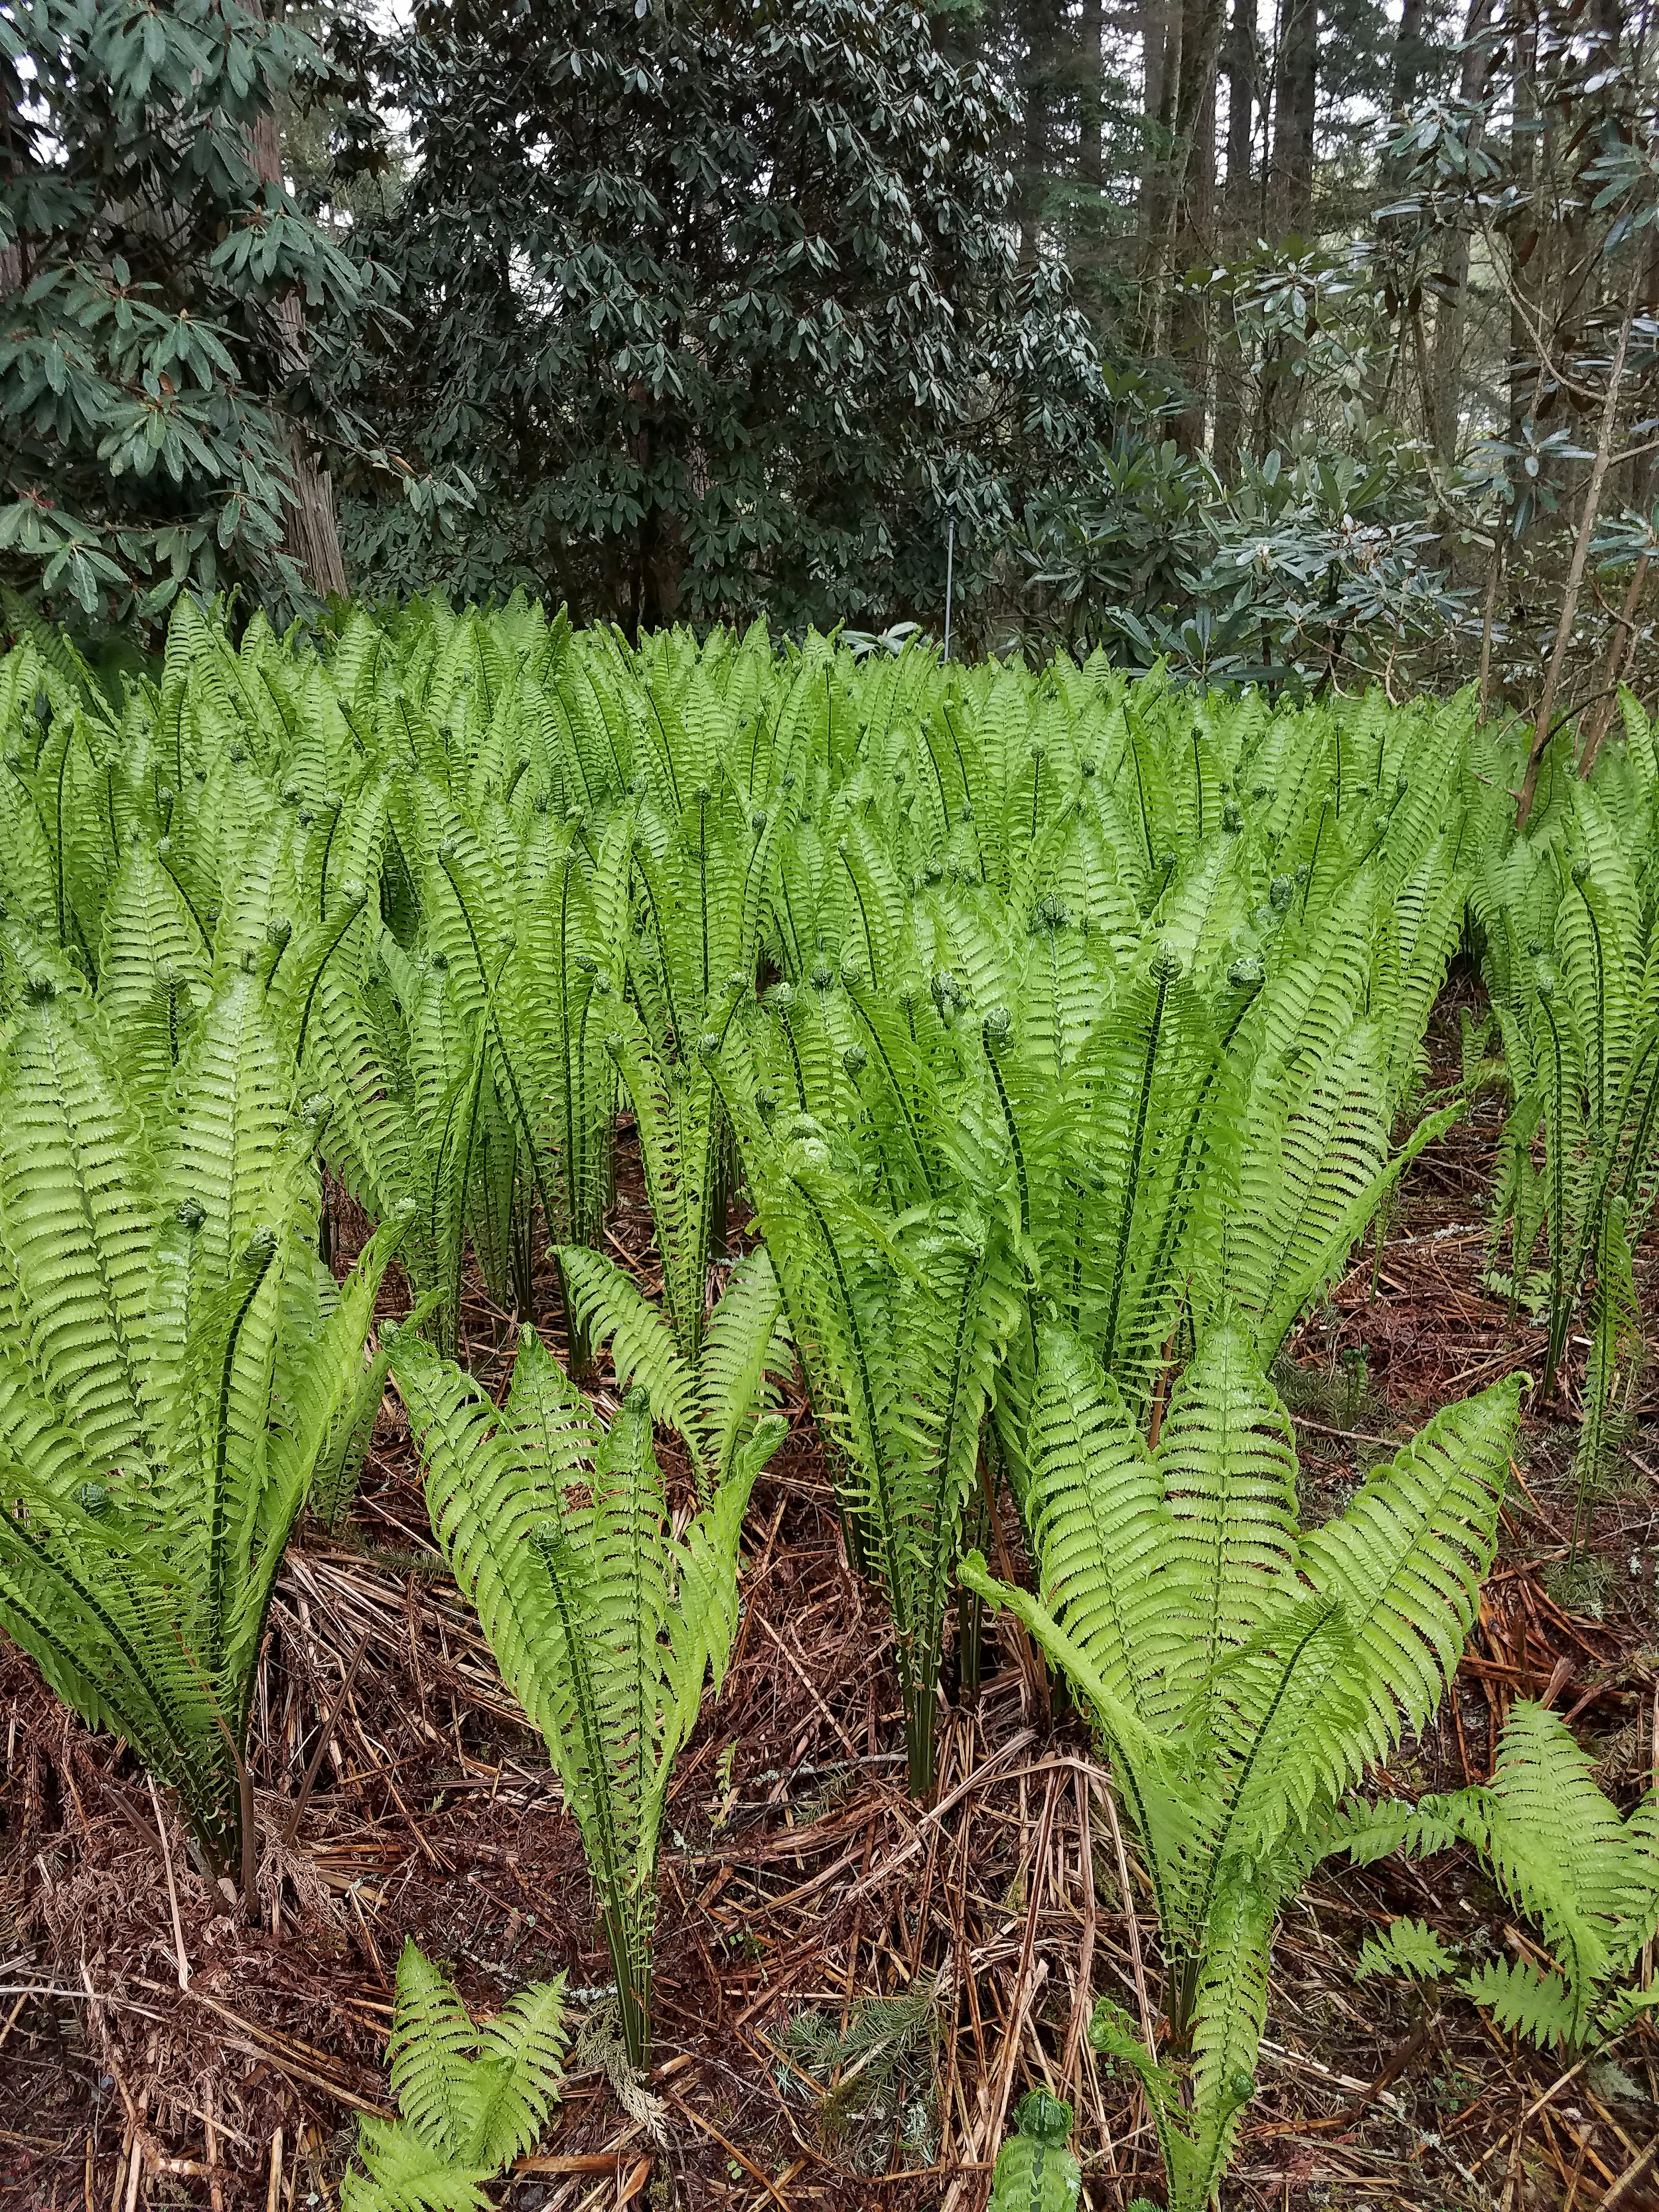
x,y
851,1994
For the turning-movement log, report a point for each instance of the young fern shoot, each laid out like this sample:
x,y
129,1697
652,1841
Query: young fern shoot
x,y
604,1624
1562,1855
1242,1674
174,1366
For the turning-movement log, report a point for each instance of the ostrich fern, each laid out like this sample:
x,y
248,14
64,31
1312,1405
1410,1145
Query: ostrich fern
x,y
174,1365
1242,1673
604,1622
900,1319
1035,2171
1573,968
710,1404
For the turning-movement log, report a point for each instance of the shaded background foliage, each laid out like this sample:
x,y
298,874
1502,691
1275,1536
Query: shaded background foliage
x,y
720,311
1295,344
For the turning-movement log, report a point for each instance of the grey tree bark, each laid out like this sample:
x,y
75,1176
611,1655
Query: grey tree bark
x,y
313,534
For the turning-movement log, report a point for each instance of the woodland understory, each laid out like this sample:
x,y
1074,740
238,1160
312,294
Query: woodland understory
x,y
852,1994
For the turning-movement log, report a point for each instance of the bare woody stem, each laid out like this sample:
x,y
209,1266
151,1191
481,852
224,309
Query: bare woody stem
x,y
1580,560
1618,654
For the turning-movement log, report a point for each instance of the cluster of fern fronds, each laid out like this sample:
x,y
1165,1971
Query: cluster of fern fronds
x,y
1063,1034
1569,915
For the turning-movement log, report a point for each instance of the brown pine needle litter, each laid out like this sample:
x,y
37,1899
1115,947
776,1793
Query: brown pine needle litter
x,y
852,1993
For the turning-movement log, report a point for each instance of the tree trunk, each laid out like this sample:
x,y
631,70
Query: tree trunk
x,y
1187,115
1526,245
1157,20
1040,25
1410,53
1195,218
1619,651
1242,67
1091,64
1451,310
1293,120
1242,70
313,538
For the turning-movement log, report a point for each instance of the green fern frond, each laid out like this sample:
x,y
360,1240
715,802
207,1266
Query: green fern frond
x,y
471,2100
1407,1558
403,2172
1100,1523
1525,1998
1562,1856
1613,1372
610,1308
601,1624
525,2043
1408,1950
1035,2171
201,1371
1227,1462
433,2039
1270,1670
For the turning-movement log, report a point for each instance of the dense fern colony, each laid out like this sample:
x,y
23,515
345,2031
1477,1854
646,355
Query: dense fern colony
x,y
1062,1036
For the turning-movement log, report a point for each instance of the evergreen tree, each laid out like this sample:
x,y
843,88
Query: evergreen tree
x,y
723,304
175,335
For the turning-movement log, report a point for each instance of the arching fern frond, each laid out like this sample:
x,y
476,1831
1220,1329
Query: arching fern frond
x,y
603,1625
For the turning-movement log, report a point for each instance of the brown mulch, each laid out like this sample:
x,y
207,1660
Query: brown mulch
x,y
798,1882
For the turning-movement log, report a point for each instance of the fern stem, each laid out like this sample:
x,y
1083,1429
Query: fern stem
x,y
932,762
1600,1007
876,1473
354,908
62,772
970,1605
1198,783
667,749
1140,793
572,747
1319,832
961,765
789,916
171,873
1132,1175
601,1811
1558,1225
942,1530
328,847
262,1250
702,883
1012,1128
864,913
794,1057
887,1069
1643,1138
681,1036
